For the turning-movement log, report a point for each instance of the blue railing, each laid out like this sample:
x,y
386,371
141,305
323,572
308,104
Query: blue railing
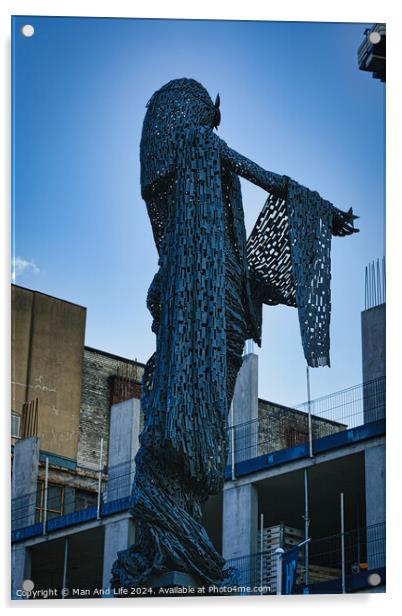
x,y
281,427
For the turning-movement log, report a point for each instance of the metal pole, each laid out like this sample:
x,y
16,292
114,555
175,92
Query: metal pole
x,y
343,544
306,529
232,443
99,479
261,548
365,288
358,550
310,427
45,496
279,552
64,584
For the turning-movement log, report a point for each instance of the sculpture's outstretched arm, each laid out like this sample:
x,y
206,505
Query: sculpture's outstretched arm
x,y
246,168
342,222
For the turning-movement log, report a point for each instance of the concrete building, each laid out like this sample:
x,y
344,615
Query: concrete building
x,y
47,342
273,480
69,389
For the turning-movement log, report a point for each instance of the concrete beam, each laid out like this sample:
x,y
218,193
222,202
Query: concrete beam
x,y
375,505
245,409
73,530
119,536
20,568
123,446
245,397
373,342
303,463
373,323
24,482
240,513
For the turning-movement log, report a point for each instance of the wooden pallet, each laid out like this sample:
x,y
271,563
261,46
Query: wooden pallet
x,y
316,573
284,529
285,542
282,536
278,536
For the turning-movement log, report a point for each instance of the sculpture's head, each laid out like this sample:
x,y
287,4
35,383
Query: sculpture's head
x,y
184,103
177,107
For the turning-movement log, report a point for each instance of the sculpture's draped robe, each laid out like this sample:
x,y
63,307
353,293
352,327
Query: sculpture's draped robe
x,y
289,253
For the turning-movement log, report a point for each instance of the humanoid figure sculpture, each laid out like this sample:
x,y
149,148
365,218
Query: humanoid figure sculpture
x,y
206,300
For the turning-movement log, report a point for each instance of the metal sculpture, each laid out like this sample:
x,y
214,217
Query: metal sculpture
x,y
206,300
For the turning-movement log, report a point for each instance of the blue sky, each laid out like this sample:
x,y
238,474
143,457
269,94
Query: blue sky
x,y
292,99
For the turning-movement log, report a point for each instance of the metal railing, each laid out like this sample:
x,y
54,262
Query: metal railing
x,y
276,429
119,482
256,571
23,510
364,550
32,508
279,428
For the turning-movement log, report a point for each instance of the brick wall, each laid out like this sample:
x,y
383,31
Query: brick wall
x,y
281,427
101,371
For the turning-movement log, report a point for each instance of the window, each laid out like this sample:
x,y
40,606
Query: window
x,y
84,499
55,501
62,500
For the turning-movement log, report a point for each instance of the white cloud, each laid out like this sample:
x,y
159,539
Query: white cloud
x,y
22,266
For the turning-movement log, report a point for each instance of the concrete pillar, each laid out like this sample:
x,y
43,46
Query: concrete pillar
x,y
373,342
24,482
119,535
244,412
375,505
245,398
20,568
123,445
373,361
240,513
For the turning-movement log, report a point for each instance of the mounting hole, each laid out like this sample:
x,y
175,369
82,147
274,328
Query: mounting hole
x,y
27,30
28,585
374,38
374,579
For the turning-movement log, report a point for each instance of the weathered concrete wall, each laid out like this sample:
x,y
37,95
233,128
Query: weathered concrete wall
x,y
373,342
119,536
24,482
123,446
375,505
47,349
99,370
245,397
20,568
374,362
21,321
240,513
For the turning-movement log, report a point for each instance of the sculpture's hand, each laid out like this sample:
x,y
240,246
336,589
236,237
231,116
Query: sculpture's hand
x,y
343,222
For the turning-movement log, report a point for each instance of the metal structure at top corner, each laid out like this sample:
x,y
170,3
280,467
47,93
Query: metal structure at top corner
x,y
371,54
